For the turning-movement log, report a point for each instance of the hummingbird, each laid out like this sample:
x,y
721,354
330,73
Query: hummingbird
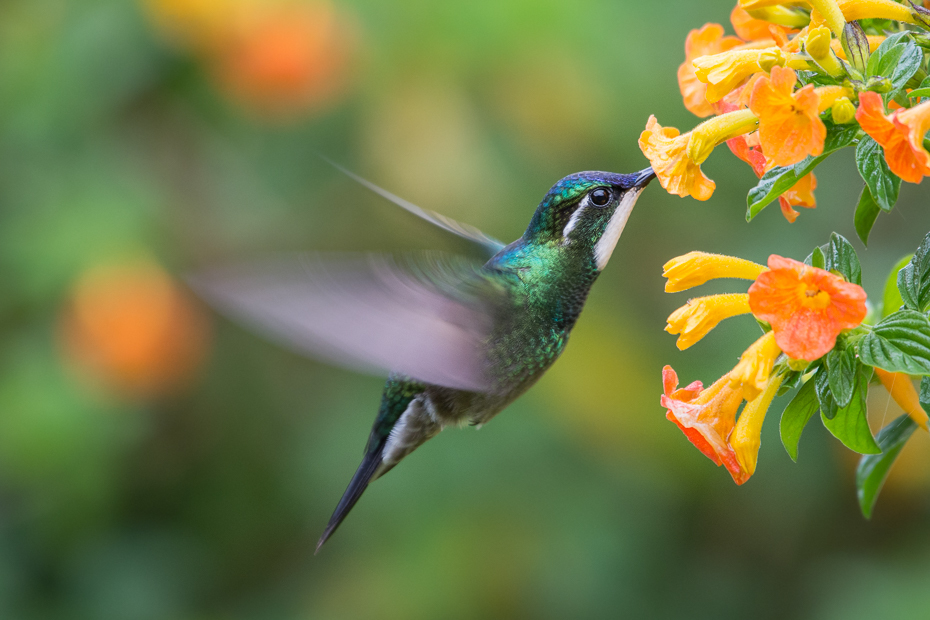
x,y
460,339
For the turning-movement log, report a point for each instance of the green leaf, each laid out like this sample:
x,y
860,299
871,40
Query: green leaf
x,y
796,415
841,256
914,278
898,58
841,374
850,424
882,182
919,92
899,343
828,406
866,214
873,469
778,180
891,299
816,258
925,392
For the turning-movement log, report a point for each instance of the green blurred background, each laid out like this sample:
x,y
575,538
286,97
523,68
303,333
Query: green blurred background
x,y
159,462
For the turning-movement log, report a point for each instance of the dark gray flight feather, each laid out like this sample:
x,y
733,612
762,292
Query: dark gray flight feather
x,y
491,245
429,319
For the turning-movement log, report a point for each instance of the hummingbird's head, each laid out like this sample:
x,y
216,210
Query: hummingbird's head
x,y
586,212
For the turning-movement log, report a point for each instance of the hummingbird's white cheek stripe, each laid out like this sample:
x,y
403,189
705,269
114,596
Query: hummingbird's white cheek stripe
x,y
608,241
394,449
574,219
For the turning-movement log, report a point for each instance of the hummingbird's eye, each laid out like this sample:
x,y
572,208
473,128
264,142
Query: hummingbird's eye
x,y
600,197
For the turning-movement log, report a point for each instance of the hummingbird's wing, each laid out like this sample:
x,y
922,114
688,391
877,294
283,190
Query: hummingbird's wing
x,y
426,317
490,245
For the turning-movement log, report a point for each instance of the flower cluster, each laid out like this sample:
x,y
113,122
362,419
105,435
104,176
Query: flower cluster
x,y
815,333
794,85
798,82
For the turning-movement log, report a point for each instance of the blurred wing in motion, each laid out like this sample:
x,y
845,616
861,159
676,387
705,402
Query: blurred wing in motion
x,y
429,319
490,245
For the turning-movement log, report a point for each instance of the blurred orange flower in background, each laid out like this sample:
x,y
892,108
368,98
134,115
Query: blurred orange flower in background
x,y
131,331
806,306
279,59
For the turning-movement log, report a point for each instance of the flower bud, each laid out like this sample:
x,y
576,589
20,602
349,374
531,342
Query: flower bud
x,y
856,46
772,57
919,14
817,46
843,111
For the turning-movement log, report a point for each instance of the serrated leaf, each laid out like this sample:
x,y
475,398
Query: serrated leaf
x,y
891,299
899,343
898,58
866,214
796,416
873,469
828,406
883,184
841,256
850,424
914,278
841,374
778,180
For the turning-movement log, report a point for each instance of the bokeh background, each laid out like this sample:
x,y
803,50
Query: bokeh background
x,y
160,462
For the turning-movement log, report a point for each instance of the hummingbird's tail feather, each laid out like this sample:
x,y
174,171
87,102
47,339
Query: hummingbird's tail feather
x,y
365,473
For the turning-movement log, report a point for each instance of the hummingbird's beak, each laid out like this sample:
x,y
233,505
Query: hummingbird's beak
x,y
643,177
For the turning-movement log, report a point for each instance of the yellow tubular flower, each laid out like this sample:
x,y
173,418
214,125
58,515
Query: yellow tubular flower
x,y
695,319
696,268
752,5
754,366
781,15
718,130
902,390
747,435
725,71
818,46
874,9
830,95
832,14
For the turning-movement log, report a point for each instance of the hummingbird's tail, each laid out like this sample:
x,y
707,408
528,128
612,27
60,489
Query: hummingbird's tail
x,y
363,476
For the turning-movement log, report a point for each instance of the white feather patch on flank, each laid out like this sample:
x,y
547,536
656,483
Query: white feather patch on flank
x,y
608,241
394,448
574,219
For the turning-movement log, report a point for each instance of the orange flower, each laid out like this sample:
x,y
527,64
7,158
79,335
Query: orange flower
x,y
287,59
131,330
706,417
801,194
708,40
807,307
667,151
790,128
901,135
749,28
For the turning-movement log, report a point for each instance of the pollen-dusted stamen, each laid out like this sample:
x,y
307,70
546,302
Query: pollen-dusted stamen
x,y
718,130
746,438
696,268
755,365
902,390
699,316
